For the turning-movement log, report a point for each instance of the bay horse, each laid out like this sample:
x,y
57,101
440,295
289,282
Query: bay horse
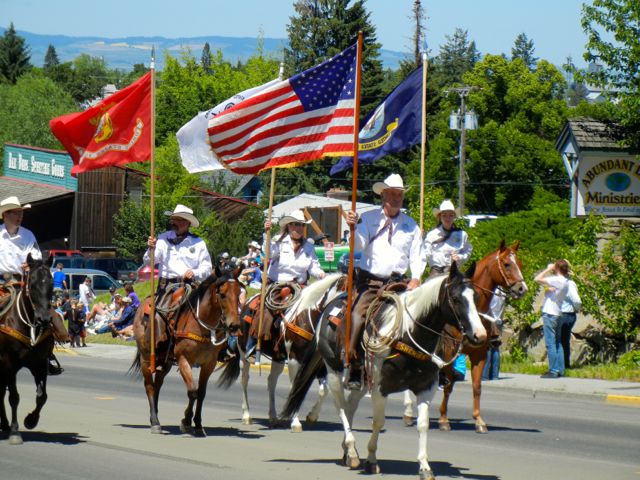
x,y
501,268
399,358
199,333
28,330
289,342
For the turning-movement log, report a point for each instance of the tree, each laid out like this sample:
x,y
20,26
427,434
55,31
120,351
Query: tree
x,y
27,107
50,58
205,58
457,56
15,56
523,49
612,28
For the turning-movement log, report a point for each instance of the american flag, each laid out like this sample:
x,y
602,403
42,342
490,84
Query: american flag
x,y
304,118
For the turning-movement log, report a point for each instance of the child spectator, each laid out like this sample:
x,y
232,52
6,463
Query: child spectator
x,y
76,325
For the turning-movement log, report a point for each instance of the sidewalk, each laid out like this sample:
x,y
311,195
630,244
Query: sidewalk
x,y
614,392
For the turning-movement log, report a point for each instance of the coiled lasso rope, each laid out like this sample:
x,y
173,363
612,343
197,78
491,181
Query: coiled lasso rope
x,y
378,343
12,299
274,302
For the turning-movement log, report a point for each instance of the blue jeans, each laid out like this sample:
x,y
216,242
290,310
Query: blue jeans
x,y
492,366
553,341
568,321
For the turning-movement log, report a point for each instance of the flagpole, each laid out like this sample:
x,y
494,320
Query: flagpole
x,y
423,147
267,251
354,189
152,213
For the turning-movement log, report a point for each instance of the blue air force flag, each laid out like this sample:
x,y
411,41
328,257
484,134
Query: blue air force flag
x,y
393,126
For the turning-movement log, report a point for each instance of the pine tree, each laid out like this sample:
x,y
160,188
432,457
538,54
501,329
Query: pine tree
x,y
457,56
14,56
205,58
523,48
51,58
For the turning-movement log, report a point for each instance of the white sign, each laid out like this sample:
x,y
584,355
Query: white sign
x,y
608,185
328,252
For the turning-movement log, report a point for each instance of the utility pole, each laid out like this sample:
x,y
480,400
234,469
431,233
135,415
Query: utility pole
x,y
460,122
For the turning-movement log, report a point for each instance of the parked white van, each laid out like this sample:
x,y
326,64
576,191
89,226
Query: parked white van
x,y
473,219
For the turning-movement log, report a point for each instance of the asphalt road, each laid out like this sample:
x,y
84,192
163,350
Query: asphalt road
x,y
95,426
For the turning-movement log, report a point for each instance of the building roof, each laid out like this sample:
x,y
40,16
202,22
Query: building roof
x,y
31,192
588,134
314,201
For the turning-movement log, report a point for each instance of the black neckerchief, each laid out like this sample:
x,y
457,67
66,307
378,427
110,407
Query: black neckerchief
x,y
180,238
447,234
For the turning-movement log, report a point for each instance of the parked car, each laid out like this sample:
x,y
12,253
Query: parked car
x,y
67,262
63,253
331,265
100,281
121,269
473,219
144,273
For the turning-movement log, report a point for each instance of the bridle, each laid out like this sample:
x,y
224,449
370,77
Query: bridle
x,y
503,274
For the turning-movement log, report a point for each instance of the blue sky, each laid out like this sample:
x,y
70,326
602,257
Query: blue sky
x,y
554,25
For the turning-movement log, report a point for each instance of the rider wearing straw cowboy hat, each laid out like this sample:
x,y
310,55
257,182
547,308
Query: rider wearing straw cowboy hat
x,y
391,244
446,243
181,255
16,243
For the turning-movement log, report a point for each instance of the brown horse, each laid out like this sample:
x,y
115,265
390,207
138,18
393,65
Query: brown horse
x,y
290,340
198,335
28,326
501,268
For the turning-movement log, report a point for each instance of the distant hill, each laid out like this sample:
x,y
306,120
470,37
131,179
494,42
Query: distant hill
x,y
123,53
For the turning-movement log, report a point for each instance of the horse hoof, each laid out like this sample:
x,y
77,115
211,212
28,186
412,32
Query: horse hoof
x,y
371,468
156,429
273,423
444,426
247,421
481,428
311,419
186,430
296,428
30,421
199,433
353,463
15,439
408,420
427,475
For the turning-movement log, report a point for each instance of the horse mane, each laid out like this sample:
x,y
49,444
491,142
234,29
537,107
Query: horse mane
x,y
201,289
311,295
418,303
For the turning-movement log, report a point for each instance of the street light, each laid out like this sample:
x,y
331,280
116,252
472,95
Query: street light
x,y
463,121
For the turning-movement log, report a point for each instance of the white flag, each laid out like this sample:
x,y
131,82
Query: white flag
x,y
193,139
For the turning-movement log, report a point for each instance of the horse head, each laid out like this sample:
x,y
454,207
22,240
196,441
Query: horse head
x,y
509,270
227,289
39,290
459,295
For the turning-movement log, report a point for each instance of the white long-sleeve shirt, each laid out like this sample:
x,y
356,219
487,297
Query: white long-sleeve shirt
x,y
175,260
287,266
14,250
381,258
438,254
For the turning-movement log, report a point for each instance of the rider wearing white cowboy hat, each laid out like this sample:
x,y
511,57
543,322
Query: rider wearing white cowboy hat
x,y
16,242
446,243
180,254
391,246
292,256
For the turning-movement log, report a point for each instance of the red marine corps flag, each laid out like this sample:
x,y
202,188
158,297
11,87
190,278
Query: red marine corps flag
x,y
114,132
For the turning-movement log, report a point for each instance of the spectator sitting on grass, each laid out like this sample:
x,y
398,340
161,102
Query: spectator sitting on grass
x,y
124,325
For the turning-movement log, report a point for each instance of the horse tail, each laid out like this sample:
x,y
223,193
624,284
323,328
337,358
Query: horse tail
x,y
135,369
310,367
230,373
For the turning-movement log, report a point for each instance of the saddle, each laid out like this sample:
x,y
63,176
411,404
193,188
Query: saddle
x,y
166,308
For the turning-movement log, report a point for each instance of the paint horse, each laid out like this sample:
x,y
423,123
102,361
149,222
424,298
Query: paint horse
x,y
400,361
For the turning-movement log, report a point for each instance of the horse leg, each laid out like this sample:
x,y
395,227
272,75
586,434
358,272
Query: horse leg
x,y
192,394
205,372
293,367
423,399
443,421
314,413
40,377
244,381
407,416
14,399
379,403
4,421
272,381
152,389
350,456
477,366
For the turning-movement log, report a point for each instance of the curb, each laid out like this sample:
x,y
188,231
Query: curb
x,y
623,400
